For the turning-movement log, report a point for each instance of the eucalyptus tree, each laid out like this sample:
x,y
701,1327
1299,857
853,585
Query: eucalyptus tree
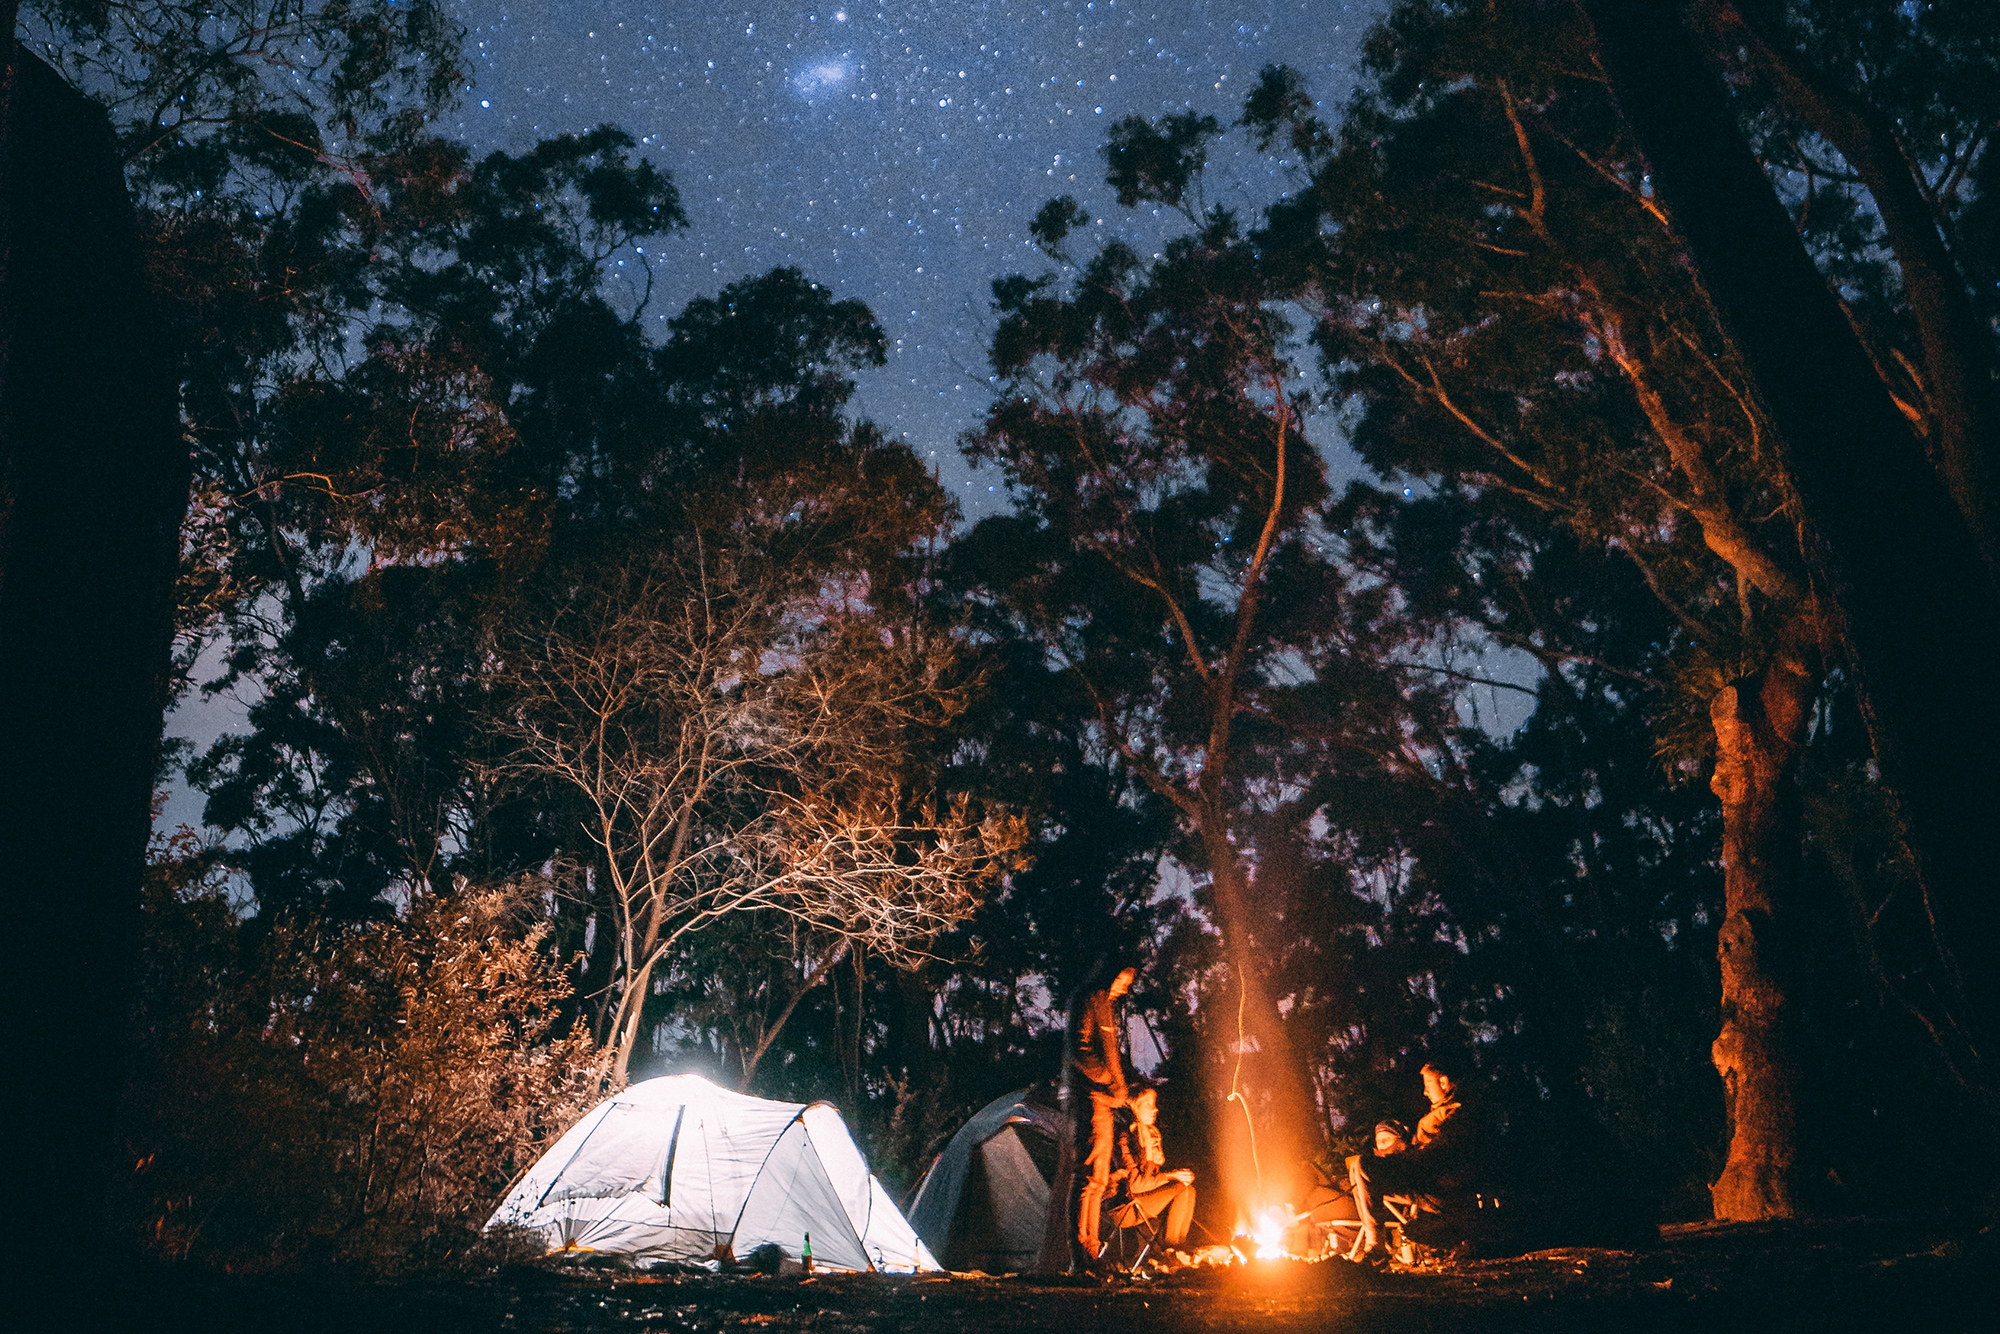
x,y
1168,558
1898,520
1493,282
1512,309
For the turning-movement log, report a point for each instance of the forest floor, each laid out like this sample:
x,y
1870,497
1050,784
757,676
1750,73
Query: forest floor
x,y
1764,1277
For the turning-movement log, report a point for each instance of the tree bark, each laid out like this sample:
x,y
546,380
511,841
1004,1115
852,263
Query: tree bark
x,y
1266,1134
1760,725
632,1009
1894,562
1958,379
97,485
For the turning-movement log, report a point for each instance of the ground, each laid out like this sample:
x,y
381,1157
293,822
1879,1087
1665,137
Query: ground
x,y
1876,1276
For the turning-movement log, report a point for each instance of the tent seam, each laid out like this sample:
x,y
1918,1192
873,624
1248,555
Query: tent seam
x,y
610,1108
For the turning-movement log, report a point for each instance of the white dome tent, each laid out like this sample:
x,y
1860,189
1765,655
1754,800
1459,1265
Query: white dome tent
x,y
670,1168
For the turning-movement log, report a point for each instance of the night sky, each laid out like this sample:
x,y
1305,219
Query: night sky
x,y
895,152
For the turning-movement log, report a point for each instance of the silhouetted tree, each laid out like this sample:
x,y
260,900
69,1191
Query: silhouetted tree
x,y
93,484
1170,557
1897,559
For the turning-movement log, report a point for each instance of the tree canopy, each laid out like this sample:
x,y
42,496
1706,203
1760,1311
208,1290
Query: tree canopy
x,y
1411,633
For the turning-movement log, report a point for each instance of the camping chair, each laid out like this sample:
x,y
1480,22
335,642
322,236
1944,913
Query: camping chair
x,y
1143,1232
1397,1211
1394,1215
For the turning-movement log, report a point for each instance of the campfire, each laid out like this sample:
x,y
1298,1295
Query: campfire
x,y
1273,1232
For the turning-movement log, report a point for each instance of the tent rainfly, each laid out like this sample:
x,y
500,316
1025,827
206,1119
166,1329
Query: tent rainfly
x,y
984,1204
672,1168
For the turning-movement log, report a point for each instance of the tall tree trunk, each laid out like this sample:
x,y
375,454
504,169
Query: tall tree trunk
x,y
1894,561
96,478
1963,419
1266,1121
631,1010
1760,725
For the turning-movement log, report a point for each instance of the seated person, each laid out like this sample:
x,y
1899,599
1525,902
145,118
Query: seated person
x,y
1443,1160
1331,1204
1331,1201
1141,1188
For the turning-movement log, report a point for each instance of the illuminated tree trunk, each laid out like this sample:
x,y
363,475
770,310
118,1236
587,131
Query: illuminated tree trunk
x,y
1894,561
1760,725
625,1029
1266,1123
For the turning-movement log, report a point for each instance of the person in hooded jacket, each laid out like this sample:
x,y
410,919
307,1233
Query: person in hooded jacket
x,y
1446,1156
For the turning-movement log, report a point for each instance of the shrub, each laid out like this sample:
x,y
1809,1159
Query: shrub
x,y
305,1091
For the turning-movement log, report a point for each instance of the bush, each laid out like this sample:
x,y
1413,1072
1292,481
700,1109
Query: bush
x,y
312,1092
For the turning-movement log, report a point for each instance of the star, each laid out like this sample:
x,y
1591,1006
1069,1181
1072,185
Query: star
x,y
895,151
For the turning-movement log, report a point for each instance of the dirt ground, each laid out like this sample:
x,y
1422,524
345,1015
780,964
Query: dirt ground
x,y
1856,1275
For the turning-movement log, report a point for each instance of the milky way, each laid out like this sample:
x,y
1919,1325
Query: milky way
x,y
894,152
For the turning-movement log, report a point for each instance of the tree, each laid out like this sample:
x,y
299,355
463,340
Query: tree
x,y
737,749
1899,561
88,570
236,89
1169,556
1493,283
1523,329
1915,80
1497,285
440,451
93,483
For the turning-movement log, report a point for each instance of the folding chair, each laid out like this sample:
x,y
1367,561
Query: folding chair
x,y
1396,1212
1143,1231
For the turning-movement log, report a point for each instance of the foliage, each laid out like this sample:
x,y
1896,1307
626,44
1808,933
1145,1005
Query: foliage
x,y
1509,315
1493,283
1176,562
201,91
314,1091
741,747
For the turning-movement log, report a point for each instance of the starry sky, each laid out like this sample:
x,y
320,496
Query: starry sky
x,y
894,151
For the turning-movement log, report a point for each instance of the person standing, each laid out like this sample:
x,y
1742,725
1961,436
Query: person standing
x,y
1094,1079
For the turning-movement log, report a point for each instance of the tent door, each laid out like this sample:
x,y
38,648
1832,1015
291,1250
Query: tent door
x,y
667,1172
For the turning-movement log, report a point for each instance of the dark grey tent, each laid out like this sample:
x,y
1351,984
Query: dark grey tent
x,y
985,1203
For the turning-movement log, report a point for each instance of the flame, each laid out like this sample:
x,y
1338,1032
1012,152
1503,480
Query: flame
x,y
1266,1231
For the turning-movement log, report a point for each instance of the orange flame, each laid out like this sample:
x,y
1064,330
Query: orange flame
x,y
1266,1231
